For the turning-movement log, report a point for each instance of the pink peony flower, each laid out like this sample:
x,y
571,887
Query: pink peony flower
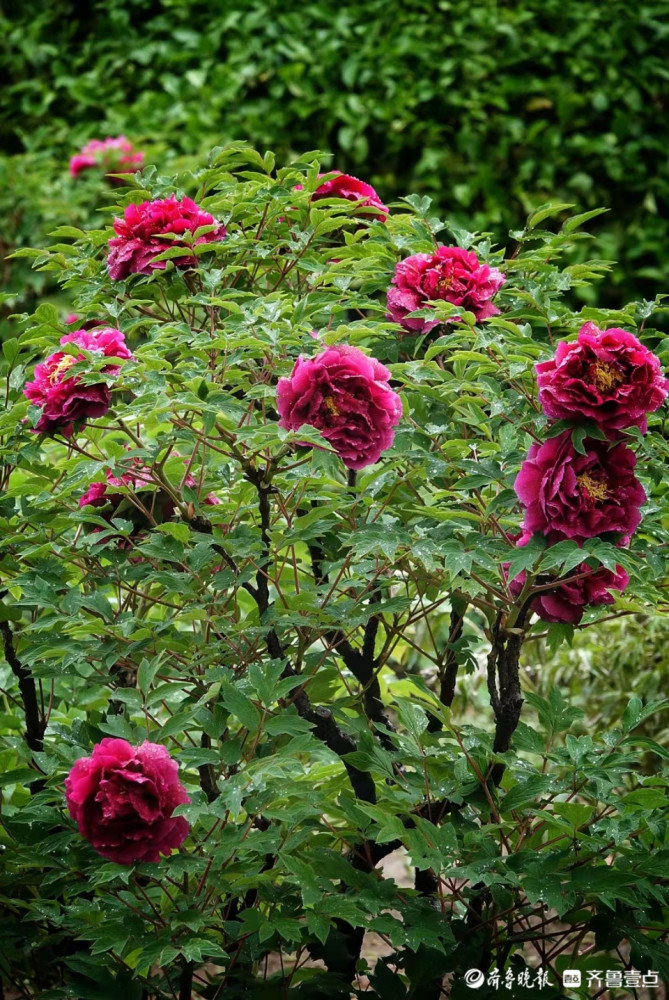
x,y
122,798
607,376
95,496
65,400
568,495
114,156
145,231
452,274
88,324
140,481
346,396
567,601
352,189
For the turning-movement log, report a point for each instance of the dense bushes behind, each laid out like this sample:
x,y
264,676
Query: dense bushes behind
x,y
491,108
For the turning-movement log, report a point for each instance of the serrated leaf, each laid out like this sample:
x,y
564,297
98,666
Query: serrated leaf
x,y
545,212
526,792
175,529
239,705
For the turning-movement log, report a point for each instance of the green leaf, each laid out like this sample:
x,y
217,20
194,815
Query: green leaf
x,y
176,530
146,672
576,221
545,212
526,792
413,717
10,349
239,705
578,436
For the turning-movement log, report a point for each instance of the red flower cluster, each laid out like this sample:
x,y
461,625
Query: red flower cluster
x,y
452,274
346,396
122,798
66,399
151,228
610,378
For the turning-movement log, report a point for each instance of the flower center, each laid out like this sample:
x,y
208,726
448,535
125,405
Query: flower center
x,y
445,284
604,376
330,407
57,373
592,488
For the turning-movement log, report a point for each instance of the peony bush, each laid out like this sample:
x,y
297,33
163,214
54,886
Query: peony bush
x,y
289,522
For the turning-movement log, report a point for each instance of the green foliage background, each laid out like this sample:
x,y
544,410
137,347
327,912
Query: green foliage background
x,y
491,107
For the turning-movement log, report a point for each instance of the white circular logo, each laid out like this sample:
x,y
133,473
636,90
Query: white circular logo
x,y
474,978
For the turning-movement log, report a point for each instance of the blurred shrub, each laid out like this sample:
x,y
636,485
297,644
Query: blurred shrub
x,y
491,108
604,665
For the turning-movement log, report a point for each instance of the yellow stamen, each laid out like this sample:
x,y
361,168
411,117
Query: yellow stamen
x,y
65,362
605,377
330,406
444,284
594,489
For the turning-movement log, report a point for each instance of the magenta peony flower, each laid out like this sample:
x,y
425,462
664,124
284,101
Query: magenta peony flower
x,y
567,601
346,396
567,495
95,496
141,481
145,231
98,494
452,274
122,798
352,189
607,376
63,399
114,156
88,324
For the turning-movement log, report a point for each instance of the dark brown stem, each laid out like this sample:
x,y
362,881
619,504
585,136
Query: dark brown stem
x,y
207,781
322,719
362,665
186,981
35,724
448,674
203,524
262,577
328,732
427,885
506,696
447,688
